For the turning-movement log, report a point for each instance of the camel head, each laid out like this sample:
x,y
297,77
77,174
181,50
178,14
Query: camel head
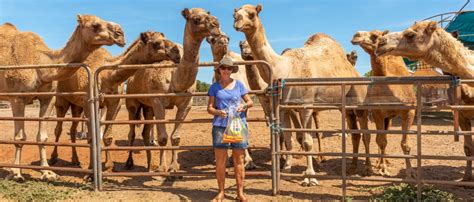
x,y
352,57
413,43
219,43
245,50
246,17
157,47
96,31
368,40
201,23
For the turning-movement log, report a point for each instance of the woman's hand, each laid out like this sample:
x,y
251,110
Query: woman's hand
x,y
242,108
222,113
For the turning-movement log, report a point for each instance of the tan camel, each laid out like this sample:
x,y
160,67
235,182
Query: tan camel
x,y
321,56
148,48
199,24
352,57
20,48
427,42
398,94
256,83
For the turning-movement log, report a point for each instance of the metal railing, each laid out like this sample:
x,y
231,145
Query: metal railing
x,y
344,83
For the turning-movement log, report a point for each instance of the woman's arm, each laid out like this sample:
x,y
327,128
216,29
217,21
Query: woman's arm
x,y
248,103
212,110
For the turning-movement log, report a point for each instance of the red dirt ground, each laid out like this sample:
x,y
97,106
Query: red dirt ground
x,y
200,188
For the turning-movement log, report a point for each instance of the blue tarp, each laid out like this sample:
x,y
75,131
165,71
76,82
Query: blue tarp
x,y
464,24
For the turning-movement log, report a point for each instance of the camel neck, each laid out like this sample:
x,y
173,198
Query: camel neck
x,y
451,56
262,50
253,76
76,51
186,73
131,56
388,66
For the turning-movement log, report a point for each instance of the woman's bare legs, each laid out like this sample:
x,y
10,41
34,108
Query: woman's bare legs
x,y
239,169
221,158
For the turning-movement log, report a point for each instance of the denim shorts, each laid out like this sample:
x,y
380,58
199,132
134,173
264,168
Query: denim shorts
x,y
218,132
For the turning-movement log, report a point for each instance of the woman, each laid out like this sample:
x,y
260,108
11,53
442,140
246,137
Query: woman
x,y
222,94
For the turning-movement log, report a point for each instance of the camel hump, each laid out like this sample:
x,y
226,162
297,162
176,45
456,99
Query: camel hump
x,y
313,40
9,25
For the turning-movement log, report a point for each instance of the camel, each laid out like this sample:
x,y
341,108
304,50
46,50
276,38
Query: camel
x,y
387,66
256,83
199,24
352,57
20,48
321,56
148,48
426,41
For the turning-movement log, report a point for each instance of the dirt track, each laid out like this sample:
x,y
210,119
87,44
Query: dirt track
x,y
198,188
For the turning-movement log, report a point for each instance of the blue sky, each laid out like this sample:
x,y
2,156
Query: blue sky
x,y
288,23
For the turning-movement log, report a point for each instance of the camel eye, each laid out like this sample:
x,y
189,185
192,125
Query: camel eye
x,y
373,38
196,21
96,26
251,15
410,35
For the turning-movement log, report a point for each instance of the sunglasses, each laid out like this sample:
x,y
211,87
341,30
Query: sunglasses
x,y
229,68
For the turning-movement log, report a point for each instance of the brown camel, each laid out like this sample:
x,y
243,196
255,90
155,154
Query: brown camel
x,y
20,48
427,42
148,48
199,24
352,57
321,56
401,94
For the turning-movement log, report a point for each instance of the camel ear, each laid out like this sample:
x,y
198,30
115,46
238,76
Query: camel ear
x,y
80,19
145,36
385,32
162,35
185,13
455,34
235,10
431,27
259,8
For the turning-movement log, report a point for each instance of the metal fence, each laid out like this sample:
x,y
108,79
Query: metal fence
x,y
345,83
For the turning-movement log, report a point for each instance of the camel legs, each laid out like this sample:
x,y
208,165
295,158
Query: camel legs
x,y
61,109
319,136
465,125
45,110
407,120
183,110
76,112
285,117
159,112
18,110
351,120
381,139
363,119
133,114
111,112
307,144
147,135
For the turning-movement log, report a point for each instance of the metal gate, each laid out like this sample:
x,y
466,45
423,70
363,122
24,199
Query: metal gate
x,y
46,117
100,96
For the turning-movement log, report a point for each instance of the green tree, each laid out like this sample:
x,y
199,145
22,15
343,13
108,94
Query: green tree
x,y
202,86
368,74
